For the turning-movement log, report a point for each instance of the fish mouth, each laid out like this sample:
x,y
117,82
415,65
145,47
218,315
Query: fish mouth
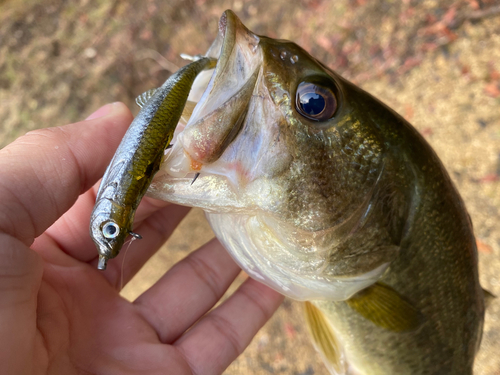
x,y
221,96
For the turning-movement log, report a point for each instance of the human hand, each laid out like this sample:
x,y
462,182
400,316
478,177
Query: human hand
x,y
60,315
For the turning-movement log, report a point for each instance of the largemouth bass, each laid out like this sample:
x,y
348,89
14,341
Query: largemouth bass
x,y
138,158
325,194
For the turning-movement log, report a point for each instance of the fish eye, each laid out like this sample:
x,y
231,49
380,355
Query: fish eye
x,y
110,229
315,102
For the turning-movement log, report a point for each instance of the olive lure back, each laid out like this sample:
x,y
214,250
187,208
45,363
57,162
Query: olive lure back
x,y
138,158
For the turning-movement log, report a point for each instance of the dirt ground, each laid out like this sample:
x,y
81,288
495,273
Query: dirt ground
x,y
435,62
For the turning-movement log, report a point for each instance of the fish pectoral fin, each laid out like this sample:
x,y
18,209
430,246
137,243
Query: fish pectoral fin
x,y
324,339
142,99
384,307
488,298
188,111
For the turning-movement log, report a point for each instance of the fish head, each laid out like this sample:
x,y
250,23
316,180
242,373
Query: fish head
x,y
289,158
107,229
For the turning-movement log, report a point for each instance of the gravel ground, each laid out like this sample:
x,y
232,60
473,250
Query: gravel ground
x,y
435,62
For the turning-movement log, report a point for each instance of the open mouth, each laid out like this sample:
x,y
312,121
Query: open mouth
x,y
217,104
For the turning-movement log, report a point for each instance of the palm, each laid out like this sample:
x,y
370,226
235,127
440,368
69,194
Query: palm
x,y
59,314
82,316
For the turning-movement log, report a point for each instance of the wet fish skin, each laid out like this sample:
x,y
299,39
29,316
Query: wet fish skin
x,y
435,269
138,158
334,211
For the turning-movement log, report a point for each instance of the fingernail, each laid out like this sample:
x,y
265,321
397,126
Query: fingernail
x,y
103,111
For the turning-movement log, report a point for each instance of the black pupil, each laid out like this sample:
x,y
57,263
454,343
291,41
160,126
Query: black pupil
x,y
312,103
111,229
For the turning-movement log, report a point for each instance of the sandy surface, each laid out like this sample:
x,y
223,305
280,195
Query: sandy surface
x,y
432,61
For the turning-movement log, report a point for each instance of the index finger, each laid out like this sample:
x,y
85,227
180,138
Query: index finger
x,y
44,171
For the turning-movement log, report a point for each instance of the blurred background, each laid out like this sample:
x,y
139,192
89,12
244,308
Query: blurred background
x,y
435,62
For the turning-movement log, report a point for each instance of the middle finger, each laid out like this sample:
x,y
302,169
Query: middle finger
x,y
187,291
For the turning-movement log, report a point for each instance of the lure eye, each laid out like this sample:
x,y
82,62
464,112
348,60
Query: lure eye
x,y
110,230
315,102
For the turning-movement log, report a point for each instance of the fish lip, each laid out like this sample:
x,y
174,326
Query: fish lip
x,y
223,49
227,29
226,80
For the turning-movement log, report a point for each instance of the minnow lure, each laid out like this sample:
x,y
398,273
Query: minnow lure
x,y
138,158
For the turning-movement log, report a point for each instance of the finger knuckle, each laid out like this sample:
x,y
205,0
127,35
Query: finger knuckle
x,y
226,329
205,273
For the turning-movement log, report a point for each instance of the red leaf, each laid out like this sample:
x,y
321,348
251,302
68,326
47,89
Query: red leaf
x,y
494,75
290,331
409,112
449,16
482,247
492,90
427,131
492,177
473,4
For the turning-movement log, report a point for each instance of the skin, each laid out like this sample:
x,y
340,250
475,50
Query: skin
x,y
59,315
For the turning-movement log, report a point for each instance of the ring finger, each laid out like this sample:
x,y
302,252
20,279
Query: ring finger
x,y
187,291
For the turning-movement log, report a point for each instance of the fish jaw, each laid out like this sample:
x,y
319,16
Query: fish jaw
x,y
299,272
231,168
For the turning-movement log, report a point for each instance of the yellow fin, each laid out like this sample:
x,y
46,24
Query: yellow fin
x,y
188,110
324,339
488,298
384,307
142,99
